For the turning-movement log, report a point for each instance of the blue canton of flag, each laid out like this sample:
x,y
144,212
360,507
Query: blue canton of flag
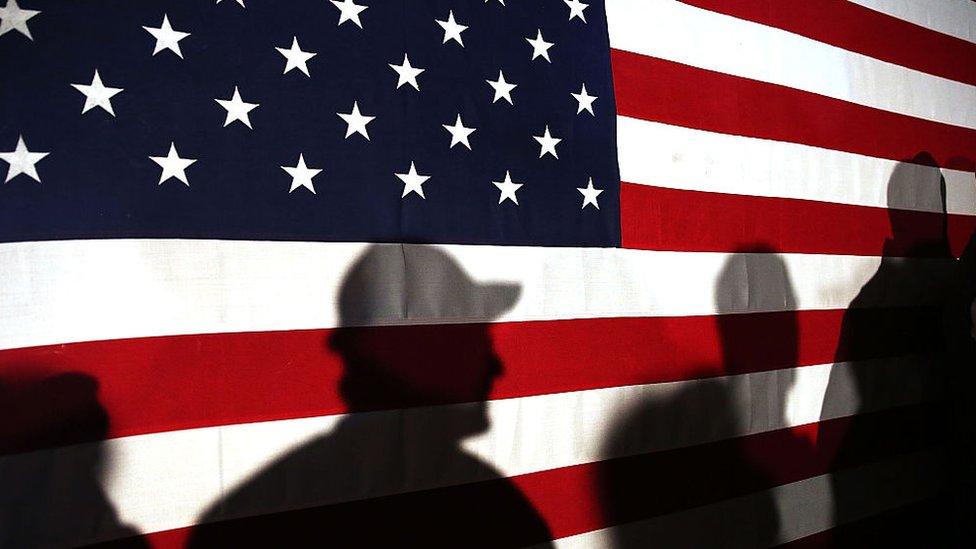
x,y
356,120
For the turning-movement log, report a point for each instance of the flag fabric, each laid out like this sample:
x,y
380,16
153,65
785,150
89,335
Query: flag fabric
x,y
238,109
614,273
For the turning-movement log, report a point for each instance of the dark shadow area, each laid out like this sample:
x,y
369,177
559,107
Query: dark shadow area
x,y
920,328
961,328
50,491
685,443
384,476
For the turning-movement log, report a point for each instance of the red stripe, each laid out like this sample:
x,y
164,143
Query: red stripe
x,y
586,497
856,28
181,382
656,218
672,93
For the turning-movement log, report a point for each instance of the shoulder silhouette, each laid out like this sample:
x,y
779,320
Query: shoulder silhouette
x,y
896,327
393,472
679,456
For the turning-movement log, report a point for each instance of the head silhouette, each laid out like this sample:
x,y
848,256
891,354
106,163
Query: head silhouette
x,y
917,185
54,498
44,410
756,279
414,333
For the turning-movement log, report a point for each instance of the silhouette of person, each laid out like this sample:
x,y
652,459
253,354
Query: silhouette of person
x,y
389,475
694,429
916,329
961,321
964,300
51,495
972,318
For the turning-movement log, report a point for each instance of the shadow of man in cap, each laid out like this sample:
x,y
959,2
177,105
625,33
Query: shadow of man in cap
x,y
393,473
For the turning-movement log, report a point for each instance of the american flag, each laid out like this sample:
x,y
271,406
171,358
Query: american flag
x,y
479,273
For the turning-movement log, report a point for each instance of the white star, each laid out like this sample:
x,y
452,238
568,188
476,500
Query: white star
x,y
408,74
507,188
503,89
13,17
452,30
590,194
585,100
502,2
459,134
97,94
167,38
301,175
356,121
576,9
173,165
296,58
548,143
237,109
349,11
540,48
22,161
241,2
412,182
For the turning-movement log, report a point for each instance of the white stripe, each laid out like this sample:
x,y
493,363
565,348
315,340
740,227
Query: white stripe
x,y
65,291
166,480
668,156
953,17
686,34
802,508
